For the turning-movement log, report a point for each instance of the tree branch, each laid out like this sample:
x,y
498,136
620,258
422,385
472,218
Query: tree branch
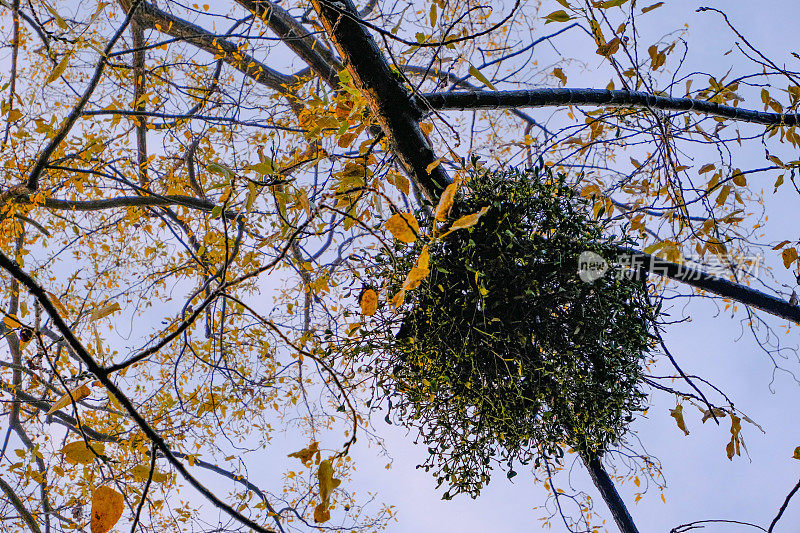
x,y
17,503
389,101
596,97
295,36
151,17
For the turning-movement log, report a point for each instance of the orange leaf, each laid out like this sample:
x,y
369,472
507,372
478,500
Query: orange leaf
x,y
789,256
419,271
306,454
397,299
369,302
79,452
403,226
322,513
107,505
677,414
433,165
446,202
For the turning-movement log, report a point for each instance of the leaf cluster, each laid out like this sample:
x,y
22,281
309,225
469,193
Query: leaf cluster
x,y
503,353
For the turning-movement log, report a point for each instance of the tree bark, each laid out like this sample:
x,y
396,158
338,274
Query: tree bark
x,y
596,97
606,487
390,102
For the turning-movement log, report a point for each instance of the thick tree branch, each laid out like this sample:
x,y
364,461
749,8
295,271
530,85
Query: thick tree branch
x,y
709,283
103,376
150,17
596,97
295,36
783,507
606,487
389,101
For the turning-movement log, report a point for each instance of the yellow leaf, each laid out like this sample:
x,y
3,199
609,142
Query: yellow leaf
x,y
796,453
12,321
467,221
789,256
369,302
610,48
107,506
326,485
307,454
60,68
142,472
716,411
77,394
79,453
103,312
57,303
433,165
479,75
221,170
677,414
322,513
403,226
446,201
739,178
733,446
114,401
326,480
59,19
729,450
557,16
397,299
706,168
399,181
419,271
559,73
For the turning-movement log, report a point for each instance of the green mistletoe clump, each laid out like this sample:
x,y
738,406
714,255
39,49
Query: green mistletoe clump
x,y
502,353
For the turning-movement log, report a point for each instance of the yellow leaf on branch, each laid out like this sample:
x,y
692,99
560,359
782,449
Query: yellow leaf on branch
x,y
398,299
57,303
789,256
79,452
403,226
419,271
467,221
715,412
76,394
733,446
433,165
60,68
307,454
107,506
677,414
327,483
103,312
446,201
12,321
369,302
142,472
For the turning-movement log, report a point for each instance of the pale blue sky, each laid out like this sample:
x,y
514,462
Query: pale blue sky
x,y
702,482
